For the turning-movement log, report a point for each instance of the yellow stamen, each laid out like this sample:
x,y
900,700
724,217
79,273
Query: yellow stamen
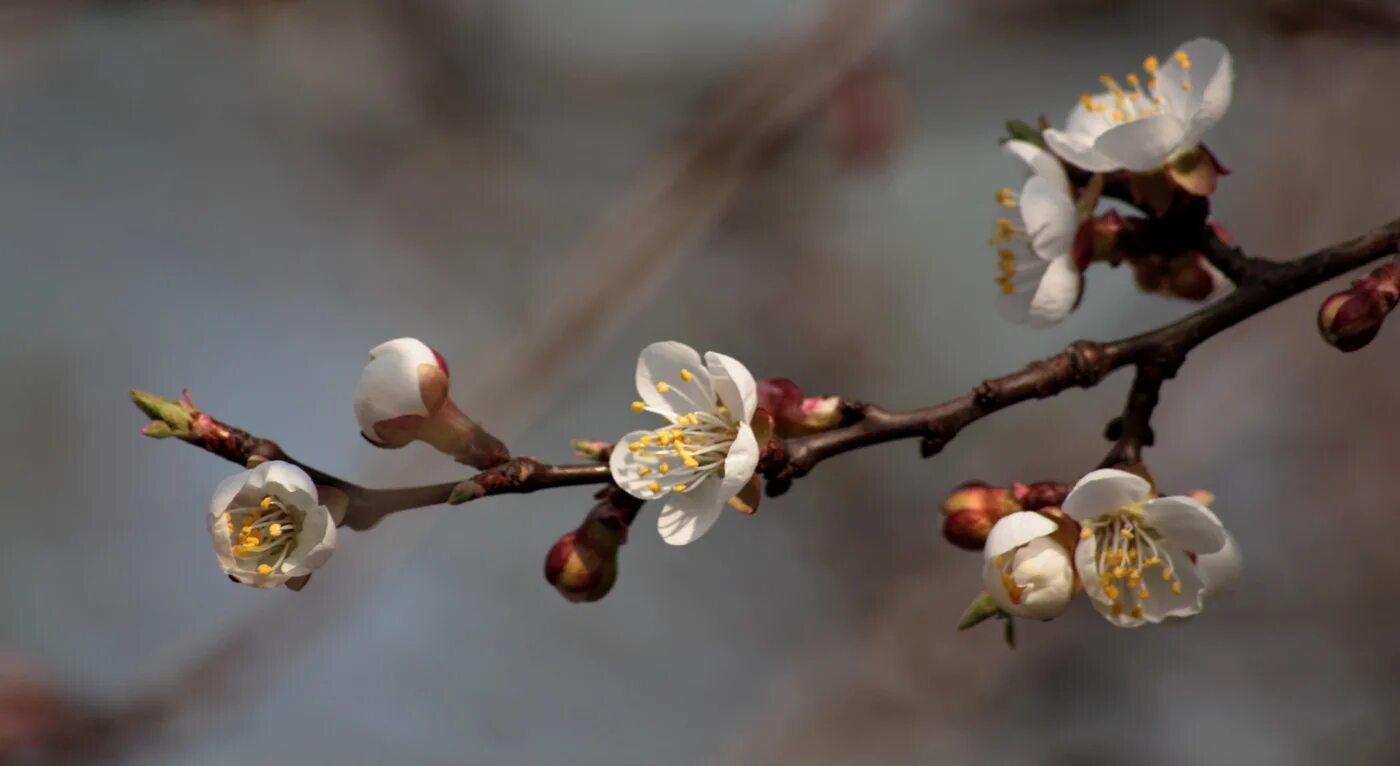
x,y
1167,574
1176,587
678,487
264,569
275,530
1149,65
1086,533
1110,83
1117,609
638,406
1186,86
643,471
1184,59
1112,592
663,387
1132,79
1137,612
1088,103
1117,116
1127,533
655,488
634,446
266,503
688,458
664,468
1006,198
1143,595
686,376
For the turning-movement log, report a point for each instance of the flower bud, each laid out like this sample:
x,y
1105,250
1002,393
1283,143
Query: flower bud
x,y
582,565
1196,171
1348,320
972,510
1188,276
1042,494
794,414
402,397
1025,570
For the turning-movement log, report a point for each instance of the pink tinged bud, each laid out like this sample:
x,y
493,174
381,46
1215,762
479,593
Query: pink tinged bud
x,y
1042,494
781,398
968,529
1350,319
580,570
972,510
794,414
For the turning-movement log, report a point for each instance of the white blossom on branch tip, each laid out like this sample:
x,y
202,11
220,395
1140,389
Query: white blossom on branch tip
x,y
1141,126
1026,572
268,525
404,383
1040,281
1135,550
706,452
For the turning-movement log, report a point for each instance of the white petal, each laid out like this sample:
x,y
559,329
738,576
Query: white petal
x,y
688,515
1185,523
1089,124
662,363
1057,294
223,542
1043,571
1087,565
1212,77
626,468
734,384
1016,305
226,492
1143,144
1042,163
389,385
1050,217
1079,151
1015,530
1221,569
1104,491
1164,603
285,482
314,544
740,463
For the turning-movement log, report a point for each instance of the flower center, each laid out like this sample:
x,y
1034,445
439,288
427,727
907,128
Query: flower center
x,y
1123,105
1125,552
263,533
688,450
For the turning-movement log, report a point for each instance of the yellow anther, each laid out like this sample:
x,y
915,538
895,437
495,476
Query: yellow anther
x,y
264,569
1149,65
663,387
694,419
645,440
1110,83
634,446
686,376
1086,533
1005,231
1137,612
1006,198
1133,80
1167,574
643,471
266,503
688,458
1143,595
1152,562
1117,608
1007,287
638,406
1186,86
1176,587
1119,573
1184,59
1112,593
1117,116
1127,533
678,487
664,468
1132,554
1088,103
655,488
250,541
664,438
275,530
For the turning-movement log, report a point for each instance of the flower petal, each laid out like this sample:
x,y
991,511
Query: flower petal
x,y
1221,569
1164,603
1104,491
225,493
1057,294
688,515
662,363
1086,563
626,467
1042,163
1050,217
1080,151
1211,80
285,482
389,385
314,544
734,384
740,463
1015,530
1185,523
1143,144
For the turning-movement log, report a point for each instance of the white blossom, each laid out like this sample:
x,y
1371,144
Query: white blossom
x,y
404,383
1026,572
1134,554
1040,282
706,451
269,525
1141,126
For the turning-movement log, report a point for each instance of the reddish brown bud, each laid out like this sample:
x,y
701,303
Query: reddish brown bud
x,y
1348,320
794,414
1042,494
580,569
1188,276
971,511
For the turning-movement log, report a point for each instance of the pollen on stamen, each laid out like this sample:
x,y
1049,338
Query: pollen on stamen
x,y
1136,613
643,471
1006,198
1086,533
686,375
663,387
678,487
638,406
655,488
1176,587
1117,608
1149,65
634,447
1167,574
1186,86
1117,116
266,503
1088,103
1127,533
264,569
1184,59
664,468
1144,595
275,530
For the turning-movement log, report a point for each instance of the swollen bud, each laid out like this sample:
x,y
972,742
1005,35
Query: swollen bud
x,y
794,414
1042,494
972,510
403,397
582,565
1348,320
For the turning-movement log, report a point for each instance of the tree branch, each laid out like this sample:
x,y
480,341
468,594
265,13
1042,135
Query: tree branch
x,y
1083,364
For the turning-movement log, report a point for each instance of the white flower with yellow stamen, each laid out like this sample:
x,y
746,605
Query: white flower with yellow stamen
x,y
1040,282
268,525
705,454
1133,550
1026,572
1140,127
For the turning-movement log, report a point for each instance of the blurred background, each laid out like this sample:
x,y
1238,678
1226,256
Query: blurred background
x,y
243,197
